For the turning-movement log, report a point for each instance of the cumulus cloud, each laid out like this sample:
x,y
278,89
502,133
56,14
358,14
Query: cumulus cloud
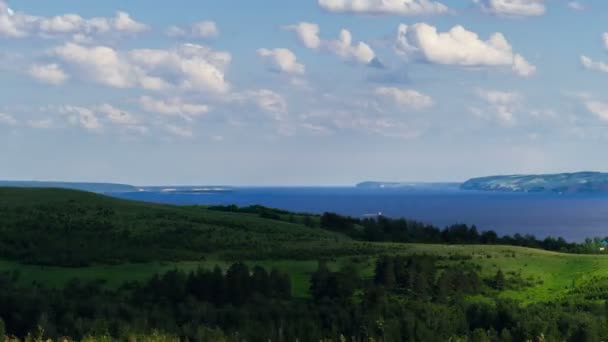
x,y
189,66
598,108
502,104
15,24
48,73
202,29
405,98
196,67
308,33
394,7
282,60
7,120
519,8
173,107
605,40
100,63
590,64
344,47
459,47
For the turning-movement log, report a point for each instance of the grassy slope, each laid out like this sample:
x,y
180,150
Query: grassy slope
x,y
56,227
558,272
555,274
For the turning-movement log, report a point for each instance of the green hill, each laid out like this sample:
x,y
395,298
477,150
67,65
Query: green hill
x,y
560,183
73,228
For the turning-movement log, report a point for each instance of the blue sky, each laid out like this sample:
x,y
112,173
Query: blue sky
x,y
307,92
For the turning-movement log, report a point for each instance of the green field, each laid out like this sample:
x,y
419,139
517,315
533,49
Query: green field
x,y
554,274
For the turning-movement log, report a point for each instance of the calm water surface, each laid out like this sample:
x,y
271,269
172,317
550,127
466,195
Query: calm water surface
x,y
572,216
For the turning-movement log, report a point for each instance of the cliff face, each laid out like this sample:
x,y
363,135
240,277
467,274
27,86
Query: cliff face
x,y
562,182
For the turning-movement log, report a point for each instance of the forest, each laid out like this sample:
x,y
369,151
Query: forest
x,y
417,298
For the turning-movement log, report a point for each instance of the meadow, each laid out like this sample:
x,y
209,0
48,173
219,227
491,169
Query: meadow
x,y
554,275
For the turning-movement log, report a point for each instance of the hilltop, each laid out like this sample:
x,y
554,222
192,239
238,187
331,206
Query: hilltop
x,y
75,228
559,183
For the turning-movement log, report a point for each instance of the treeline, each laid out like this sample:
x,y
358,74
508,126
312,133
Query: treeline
x,y
384,229
190,305
418,298
263,212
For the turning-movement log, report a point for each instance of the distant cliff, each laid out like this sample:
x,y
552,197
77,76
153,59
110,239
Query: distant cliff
x,y
90,187
560,183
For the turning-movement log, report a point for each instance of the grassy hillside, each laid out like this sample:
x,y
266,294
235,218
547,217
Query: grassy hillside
x,y
72,228
552,275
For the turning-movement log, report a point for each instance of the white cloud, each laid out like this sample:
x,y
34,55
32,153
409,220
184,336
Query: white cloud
x,y
347,49
189,66
590,64
577,6
173,107
344,47
605,40
459,47
394,7
282,60
101,63
196,67
599,109
48,73
15,24
202,29
519,8
124,23
502,105
7,120
405,98
11,26
308,33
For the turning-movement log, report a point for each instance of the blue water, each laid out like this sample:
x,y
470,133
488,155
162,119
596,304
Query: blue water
x,y
572,216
